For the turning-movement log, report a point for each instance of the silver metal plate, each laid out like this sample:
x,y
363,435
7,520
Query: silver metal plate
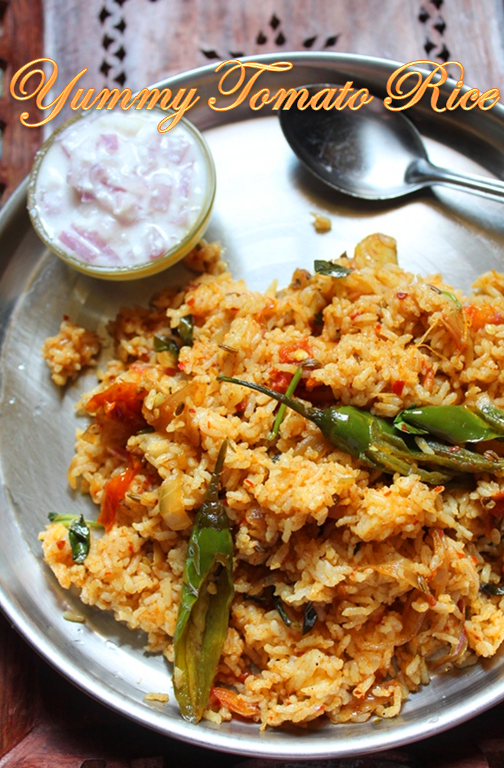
x,y
262,217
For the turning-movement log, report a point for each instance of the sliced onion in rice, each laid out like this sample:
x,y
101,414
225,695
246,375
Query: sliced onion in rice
x,y
457,652
412,622
171,504
402,570
316,443
172,405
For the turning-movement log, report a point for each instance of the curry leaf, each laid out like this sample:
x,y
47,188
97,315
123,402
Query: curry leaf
x,y
492,589
328,268
309,618
291,623
80,539
166,344
185,330
79,534
68,519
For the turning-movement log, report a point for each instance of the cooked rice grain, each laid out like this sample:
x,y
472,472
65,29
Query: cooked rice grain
x,y
392,566
71,350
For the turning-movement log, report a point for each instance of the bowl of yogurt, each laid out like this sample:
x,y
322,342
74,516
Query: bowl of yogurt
x,y
115,198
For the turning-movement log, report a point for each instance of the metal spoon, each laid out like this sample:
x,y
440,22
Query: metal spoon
x,y
371,152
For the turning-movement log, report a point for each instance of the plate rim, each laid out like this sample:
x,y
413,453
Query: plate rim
x,y
209,737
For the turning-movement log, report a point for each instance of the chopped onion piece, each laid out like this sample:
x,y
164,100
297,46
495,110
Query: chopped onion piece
x,y
171,504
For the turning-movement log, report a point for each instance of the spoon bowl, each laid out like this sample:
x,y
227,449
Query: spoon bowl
x,y
372,152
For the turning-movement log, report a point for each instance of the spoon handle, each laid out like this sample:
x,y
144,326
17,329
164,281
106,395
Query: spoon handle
x,y
423,173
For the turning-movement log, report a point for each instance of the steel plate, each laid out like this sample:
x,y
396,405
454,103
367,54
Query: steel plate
x,y
262,216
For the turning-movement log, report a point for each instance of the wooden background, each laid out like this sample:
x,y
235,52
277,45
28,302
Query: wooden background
x,y
137,42
44,721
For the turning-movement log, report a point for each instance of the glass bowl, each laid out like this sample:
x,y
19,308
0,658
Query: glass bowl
x,y
115,198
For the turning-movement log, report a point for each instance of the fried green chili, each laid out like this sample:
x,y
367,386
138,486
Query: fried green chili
x,y
207,591
457,424
493,416
376,443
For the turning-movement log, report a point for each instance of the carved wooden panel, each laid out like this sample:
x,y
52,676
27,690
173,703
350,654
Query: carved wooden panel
x,y
21,33
136,42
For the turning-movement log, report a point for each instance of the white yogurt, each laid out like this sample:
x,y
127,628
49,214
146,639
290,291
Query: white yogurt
x,y
111,191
